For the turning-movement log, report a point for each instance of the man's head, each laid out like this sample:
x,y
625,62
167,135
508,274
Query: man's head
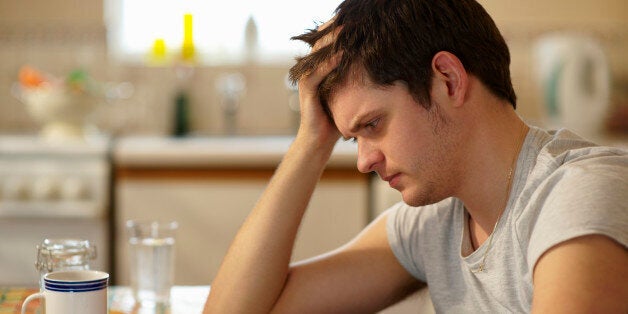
x,y
391,40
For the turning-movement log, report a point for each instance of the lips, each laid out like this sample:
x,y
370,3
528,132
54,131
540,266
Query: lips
x,y
393,180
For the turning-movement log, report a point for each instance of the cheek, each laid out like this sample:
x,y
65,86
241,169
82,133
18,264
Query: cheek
x,y
407,150
414,140
420,152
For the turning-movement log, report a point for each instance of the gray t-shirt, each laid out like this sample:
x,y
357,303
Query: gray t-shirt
x,y
564,187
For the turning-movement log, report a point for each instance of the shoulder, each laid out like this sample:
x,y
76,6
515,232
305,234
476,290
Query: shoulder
x,y
562,147
582,190
571,171
589,177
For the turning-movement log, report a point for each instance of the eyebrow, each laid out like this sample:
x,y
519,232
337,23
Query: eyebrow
x,y
357,124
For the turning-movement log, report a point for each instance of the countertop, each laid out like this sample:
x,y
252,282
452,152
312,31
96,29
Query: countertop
x,y
184,299
215,151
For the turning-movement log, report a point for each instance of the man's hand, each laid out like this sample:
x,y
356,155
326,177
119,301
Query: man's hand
x,y
256,267
315,124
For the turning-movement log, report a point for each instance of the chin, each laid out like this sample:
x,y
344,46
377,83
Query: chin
x,y
419,198
413,200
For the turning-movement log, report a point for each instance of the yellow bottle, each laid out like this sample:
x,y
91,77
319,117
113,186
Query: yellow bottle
x,y
188,52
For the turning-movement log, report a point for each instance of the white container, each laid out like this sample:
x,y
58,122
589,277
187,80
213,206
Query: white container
x,y
62,113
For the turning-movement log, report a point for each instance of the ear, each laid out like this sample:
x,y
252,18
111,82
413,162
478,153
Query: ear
x,y
449,71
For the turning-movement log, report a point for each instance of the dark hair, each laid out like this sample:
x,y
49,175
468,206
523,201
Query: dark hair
x,y
396,40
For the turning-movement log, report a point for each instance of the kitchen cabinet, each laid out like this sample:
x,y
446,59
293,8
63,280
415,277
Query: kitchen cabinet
x,y
51,190
210,185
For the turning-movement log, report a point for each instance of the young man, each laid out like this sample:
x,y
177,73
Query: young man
x,y
497,216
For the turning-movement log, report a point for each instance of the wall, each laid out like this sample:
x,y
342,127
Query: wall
x,y
522,22
58,36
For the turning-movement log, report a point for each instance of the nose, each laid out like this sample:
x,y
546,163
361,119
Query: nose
x,y
368,157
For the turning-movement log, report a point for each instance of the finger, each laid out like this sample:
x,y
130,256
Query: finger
x,y
327,66
312,79
328,39
318,73
321,60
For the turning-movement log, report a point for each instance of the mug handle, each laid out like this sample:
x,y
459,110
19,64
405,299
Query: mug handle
x,y
31,297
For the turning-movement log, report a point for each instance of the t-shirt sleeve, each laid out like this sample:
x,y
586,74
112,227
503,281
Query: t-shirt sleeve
x,y
583,198
403,236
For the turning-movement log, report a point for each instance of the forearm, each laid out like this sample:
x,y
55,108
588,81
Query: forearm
x,y
254,270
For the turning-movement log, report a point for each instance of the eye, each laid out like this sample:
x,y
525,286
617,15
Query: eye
x,y
372,124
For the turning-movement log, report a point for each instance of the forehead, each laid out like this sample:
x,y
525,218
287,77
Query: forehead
x,y
355,81
348,94
356,101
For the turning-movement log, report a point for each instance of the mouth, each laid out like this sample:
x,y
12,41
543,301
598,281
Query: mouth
x,y
393,180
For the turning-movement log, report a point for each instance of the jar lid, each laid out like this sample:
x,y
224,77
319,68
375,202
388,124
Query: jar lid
x,y
54,253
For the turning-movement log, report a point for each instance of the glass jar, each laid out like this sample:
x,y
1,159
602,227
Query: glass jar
x,y
63,254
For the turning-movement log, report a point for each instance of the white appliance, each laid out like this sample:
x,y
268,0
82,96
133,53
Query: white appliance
x,y
575,81
51,190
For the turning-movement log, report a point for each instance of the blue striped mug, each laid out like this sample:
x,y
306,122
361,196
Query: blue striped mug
x,y
73,292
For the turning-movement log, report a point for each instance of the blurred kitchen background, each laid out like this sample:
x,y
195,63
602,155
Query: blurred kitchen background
x,y
61,36
182,110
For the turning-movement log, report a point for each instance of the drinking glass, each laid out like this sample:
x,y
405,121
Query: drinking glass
x,y
151,261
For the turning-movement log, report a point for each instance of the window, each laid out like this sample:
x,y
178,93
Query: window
x,y
219,28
